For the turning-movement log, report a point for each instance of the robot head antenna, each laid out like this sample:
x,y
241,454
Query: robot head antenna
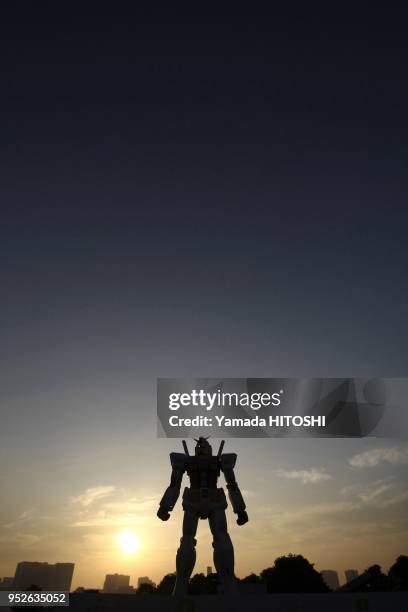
x,y
203,447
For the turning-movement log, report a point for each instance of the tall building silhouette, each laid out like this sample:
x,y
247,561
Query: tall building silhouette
x,y
351,574
48,577
116,583
331,578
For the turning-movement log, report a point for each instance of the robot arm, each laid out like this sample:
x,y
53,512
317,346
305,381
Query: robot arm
x,y
171,494
234,494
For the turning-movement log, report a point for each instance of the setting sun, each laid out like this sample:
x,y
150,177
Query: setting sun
x,y
128,541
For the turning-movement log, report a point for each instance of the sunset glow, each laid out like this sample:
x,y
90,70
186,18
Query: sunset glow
x,y
128,541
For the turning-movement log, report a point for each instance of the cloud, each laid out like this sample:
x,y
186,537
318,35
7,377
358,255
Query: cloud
x,y
378,494
102,520
20,540
371,458
373,493
397,499
98,509
309,516
310,476
134,504
92,494
24,517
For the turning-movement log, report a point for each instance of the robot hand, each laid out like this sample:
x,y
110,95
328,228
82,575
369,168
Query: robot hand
x,y
163,514
242,517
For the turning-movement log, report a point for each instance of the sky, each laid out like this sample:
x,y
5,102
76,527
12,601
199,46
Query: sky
x,y
197,197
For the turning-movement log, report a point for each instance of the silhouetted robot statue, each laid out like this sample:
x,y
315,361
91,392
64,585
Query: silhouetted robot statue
x,y
203,500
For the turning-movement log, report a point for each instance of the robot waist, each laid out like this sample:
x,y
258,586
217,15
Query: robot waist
x,y
194,498
207,490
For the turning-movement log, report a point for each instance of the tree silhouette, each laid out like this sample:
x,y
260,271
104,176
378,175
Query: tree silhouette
x,y
212,582
398,574
293,574
376,581
203,585
251,579
146,589
198,585
166,586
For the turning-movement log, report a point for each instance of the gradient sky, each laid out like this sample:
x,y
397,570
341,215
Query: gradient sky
x,y
196,197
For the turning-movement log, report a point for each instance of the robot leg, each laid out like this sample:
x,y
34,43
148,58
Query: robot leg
x,y
223,551
186,553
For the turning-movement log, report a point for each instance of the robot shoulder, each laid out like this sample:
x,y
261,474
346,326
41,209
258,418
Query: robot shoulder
x,y
228,461
178,461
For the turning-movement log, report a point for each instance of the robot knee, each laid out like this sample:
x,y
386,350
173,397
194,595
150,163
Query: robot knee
x,y
222,541
187,543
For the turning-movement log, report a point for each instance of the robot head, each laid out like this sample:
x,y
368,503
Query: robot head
x,y
202,447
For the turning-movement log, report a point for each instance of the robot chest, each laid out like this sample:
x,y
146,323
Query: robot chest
x,y
203,475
